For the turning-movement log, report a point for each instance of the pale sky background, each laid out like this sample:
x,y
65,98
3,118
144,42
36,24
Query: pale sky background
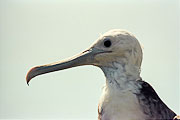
x,y
36,32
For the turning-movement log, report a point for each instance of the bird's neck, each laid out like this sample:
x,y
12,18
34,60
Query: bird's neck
x,y
121,74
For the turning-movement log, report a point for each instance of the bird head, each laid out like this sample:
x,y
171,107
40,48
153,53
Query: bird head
x,y
118,44
113,46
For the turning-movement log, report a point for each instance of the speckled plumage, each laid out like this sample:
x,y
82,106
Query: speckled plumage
x,y
153,107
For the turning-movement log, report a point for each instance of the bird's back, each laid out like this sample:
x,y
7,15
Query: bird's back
x,y
153,107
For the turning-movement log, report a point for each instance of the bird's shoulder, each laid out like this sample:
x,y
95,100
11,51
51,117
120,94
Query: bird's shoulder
x,y
147,90
151,103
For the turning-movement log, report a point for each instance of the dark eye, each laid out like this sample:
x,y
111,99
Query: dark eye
x,y
107,43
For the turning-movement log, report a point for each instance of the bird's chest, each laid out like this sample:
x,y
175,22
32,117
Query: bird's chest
x,y
119,106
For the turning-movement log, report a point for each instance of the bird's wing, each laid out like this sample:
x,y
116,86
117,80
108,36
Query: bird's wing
x,y
151,104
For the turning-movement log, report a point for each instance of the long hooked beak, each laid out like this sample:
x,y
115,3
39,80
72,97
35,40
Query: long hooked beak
x,y
84,58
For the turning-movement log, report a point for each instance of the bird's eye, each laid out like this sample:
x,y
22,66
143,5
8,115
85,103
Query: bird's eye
x,y
107,43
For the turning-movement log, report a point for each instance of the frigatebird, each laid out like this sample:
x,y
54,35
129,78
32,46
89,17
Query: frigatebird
x,y
125,95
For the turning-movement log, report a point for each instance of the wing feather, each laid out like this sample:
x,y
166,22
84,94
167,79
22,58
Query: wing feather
x,y
152,105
